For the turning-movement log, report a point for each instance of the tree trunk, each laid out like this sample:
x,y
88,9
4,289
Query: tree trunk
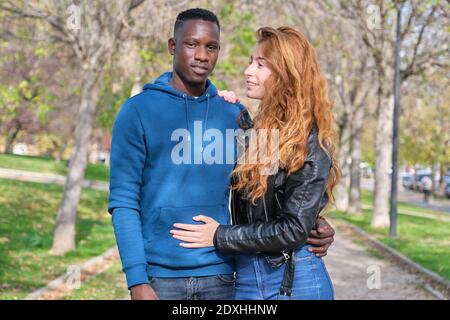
x,y
64,237
354,206
434,172
343,155
442,183
9,145
380,217
61,150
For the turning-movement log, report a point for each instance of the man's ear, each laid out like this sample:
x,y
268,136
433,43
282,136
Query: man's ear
x,y
171,46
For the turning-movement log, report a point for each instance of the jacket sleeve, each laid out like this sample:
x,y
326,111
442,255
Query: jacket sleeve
x,y
128,154
304,191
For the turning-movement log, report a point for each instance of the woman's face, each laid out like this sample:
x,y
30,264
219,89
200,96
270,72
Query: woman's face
x,y
257,73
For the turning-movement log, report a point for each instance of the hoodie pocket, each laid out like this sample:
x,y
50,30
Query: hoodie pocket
x,y
167,251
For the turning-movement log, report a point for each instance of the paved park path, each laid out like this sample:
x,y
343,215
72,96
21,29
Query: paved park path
x,y
350,265
48,178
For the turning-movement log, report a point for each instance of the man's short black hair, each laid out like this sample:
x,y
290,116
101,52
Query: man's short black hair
x,y
195,14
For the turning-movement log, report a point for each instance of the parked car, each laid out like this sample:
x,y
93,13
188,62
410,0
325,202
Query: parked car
x,y
447,179
407,181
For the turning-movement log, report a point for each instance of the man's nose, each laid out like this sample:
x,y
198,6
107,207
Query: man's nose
x,y
201,54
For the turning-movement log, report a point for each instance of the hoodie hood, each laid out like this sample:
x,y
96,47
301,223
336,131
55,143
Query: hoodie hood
x,y
162,83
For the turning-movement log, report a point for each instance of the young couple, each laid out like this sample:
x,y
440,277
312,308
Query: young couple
x,y
171,219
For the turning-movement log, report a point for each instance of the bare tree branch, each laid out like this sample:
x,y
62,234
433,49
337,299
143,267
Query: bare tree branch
x,y
412,68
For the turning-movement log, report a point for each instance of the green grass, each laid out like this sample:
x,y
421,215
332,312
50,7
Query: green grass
x,y
27,220
367,199
108,285
49,165
425,241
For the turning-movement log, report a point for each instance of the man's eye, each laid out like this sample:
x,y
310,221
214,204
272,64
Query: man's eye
x,y
191,45
212,48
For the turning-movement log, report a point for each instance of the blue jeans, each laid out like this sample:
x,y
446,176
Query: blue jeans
x,y
256,279
217,287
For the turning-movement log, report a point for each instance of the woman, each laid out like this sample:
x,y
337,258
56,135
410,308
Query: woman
x,y
273,214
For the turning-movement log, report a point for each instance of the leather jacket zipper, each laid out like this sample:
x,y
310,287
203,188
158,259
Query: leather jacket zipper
x,y
265,209
250,220
278,201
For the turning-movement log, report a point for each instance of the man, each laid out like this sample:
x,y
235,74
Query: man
x,y
153,186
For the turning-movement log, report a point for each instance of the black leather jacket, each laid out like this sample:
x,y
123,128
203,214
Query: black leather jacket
x,y
281,221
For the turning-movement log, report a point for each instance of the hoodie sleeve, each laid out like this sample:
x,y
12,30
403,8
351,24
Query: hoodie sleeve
x,y
128,154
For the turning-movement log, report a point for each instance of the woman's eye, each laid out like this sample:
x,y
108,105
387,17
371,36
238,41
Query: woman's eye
x,y
260,65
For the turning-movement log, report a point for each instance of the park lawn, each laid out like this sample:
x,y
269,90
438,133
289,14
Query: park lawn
x,y
27,220
367,199
423,240
108,285
98,172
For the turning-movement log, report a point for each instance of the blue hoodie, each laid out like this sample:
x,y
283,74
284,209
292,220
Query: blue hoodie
x,y
150,191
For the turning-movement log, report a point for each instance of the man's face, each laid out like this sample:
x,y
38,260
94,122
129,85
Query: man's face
x,y
195,49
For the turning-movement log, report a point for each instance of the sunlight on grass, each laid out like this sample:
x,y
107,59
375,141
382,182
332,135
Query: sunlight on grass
x,y
27,220
98,172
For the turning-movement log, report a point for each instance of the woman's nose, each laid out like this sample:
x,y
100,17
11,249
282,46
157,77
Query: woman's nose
x,y
248,71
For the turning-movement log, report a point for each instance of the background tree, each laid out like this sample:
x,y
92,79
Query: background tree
x,y
424,44
425,135
91,32
24,99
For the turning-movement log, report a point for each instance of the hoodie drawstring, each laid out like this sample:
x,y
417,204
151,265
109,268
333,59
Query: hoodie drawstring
x,y
186,109
186,105
206,112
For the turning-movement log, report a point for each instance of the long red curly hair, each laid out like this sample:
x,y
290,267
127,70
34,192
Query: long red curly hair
x,y
298,100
